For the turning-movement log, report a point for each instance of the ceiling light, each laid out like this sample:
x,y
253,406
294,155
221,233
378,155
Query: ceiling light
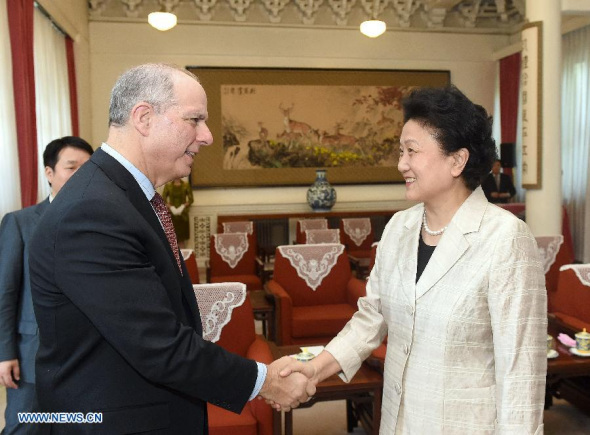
x,y
373,28
162,20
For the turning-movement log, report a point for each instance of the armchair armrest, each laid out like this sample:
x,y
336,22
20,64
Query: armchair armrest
x,y
283,313
355,289
259,351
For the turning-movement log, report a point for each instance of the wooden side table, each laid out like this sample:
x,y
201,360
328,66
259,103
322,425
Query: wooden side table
x,y
264,310
367,385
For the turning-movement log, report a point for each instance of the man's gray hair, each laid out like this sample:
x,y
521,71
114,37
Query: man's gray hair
x,y
151,82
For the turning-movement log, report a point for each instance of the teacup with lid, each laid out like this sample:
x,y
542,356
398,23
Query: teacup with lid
x,y
583,342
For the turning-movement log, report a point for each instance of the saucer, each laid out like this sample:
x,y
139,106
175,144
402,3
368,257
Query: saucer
x,y
575,351
552,354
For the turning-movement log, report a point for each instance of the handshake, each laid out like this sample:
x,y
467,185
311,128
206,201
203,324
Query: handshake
x,y
289,383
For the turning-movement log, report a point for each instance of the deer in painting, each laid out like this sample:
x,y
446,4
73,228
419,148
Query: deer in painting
x,y
292,126
262,133
338,140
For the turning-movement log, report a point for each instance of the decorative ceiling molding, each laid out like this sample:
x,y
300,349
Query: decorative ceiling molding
x,y
462,16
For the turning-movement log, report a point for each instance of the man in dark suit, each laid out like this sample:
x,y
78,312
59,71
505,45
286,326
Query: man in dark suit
x,y
498,187
18,328
120,331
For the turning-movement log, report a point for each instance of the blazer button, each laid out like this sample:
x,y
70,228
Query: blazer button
x,y
406,349
410,310
398,388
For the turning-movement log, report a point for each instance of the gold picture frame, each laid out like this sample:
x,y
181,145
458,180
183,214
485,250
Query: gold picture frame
x,y
531,77
275,127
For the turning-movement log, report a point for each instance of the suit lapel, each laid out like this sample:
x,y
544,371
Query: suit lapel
x,y
123,178
453,244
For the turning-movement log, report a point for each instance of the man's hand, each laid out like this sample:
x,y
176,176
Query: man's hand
x,y
9,371
285,393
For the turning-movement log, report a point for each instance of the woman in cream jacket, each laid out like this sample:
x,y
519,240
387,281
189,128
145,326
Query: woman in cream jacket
x,y
458,286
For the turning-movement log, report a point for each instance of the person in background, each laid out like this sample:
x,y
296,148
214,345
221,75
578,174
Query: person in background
x,y
458,288
178,195
120,328
18,328
498,187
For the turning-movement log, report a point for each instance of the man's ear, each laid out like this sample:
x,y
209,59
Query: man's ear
x,y
49,174
142,117
460,158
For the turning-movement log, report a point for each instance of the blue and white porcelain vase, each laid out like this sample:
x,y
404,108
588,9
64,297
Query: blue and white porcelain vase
x,y
321,196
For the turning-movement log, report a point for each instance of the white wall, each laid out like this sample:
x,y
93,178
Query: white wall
x,y
115,47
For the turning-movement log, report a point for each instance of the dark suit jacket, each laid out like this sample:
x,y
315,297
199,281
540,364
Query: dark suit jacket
x,y
18,328
120,331
489,186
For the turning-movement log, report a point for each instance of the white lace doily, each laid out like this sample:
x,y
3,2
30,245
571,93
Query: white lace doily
x,y
357,229
549,247
186,253
582,271
231,247
312,262
322,236
216,303
313,224
238,227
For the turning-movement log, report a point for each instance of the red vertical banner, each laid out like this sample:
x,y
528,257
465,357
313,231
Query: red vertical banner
x,y
509,89
73,86
20,23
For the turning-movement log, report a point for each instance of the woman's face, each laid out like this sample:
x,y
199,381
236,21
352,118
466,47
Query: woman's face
x,y
428,172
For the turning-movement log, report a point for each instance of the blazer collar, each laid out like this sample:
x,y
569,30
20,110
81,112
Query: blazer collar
x,y
452,246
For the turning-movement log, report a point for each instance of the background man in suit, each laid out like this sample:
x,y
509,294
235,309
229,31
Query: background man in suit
x,y
18,328
498,187
120,330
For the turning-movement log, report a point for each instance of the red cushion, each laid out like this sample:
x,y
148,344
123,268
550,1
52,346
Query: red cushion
x,y
239,334
351,246
332,290
223,422
319,321
572,298
192,268
246,265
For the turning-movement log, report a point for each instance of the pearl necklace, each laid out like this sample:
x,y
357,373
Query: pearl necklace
x,y
428,230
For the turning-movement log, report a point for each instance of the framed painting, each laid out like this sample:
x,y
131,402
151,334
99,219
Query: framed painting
x,y
275,127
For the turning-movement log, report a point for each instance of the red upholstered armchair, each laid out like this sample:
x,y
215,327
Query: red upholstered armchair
x,y
572,298
237,336
232,257
357,234
309,224
190,260
322,236
555,252
315,293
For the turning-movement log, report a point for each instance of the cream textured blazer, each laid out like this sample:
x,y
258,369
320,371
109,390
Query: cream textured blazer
x,y
467,343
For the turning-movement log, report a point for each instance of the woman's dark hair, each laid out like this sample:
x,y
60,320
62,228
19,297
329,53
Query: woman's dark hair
x,y
455,123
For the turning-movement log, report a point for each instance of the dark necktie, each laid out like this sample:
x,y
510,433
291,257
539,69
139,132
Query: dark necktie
x,y
164,215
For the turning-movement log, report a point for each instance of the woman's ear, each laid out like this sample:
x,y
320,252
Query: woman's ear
x,y
460,158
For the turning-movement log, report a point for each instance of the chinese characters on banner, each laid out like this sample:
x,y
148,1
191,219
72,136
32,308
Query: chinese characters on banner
x,y
531,97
